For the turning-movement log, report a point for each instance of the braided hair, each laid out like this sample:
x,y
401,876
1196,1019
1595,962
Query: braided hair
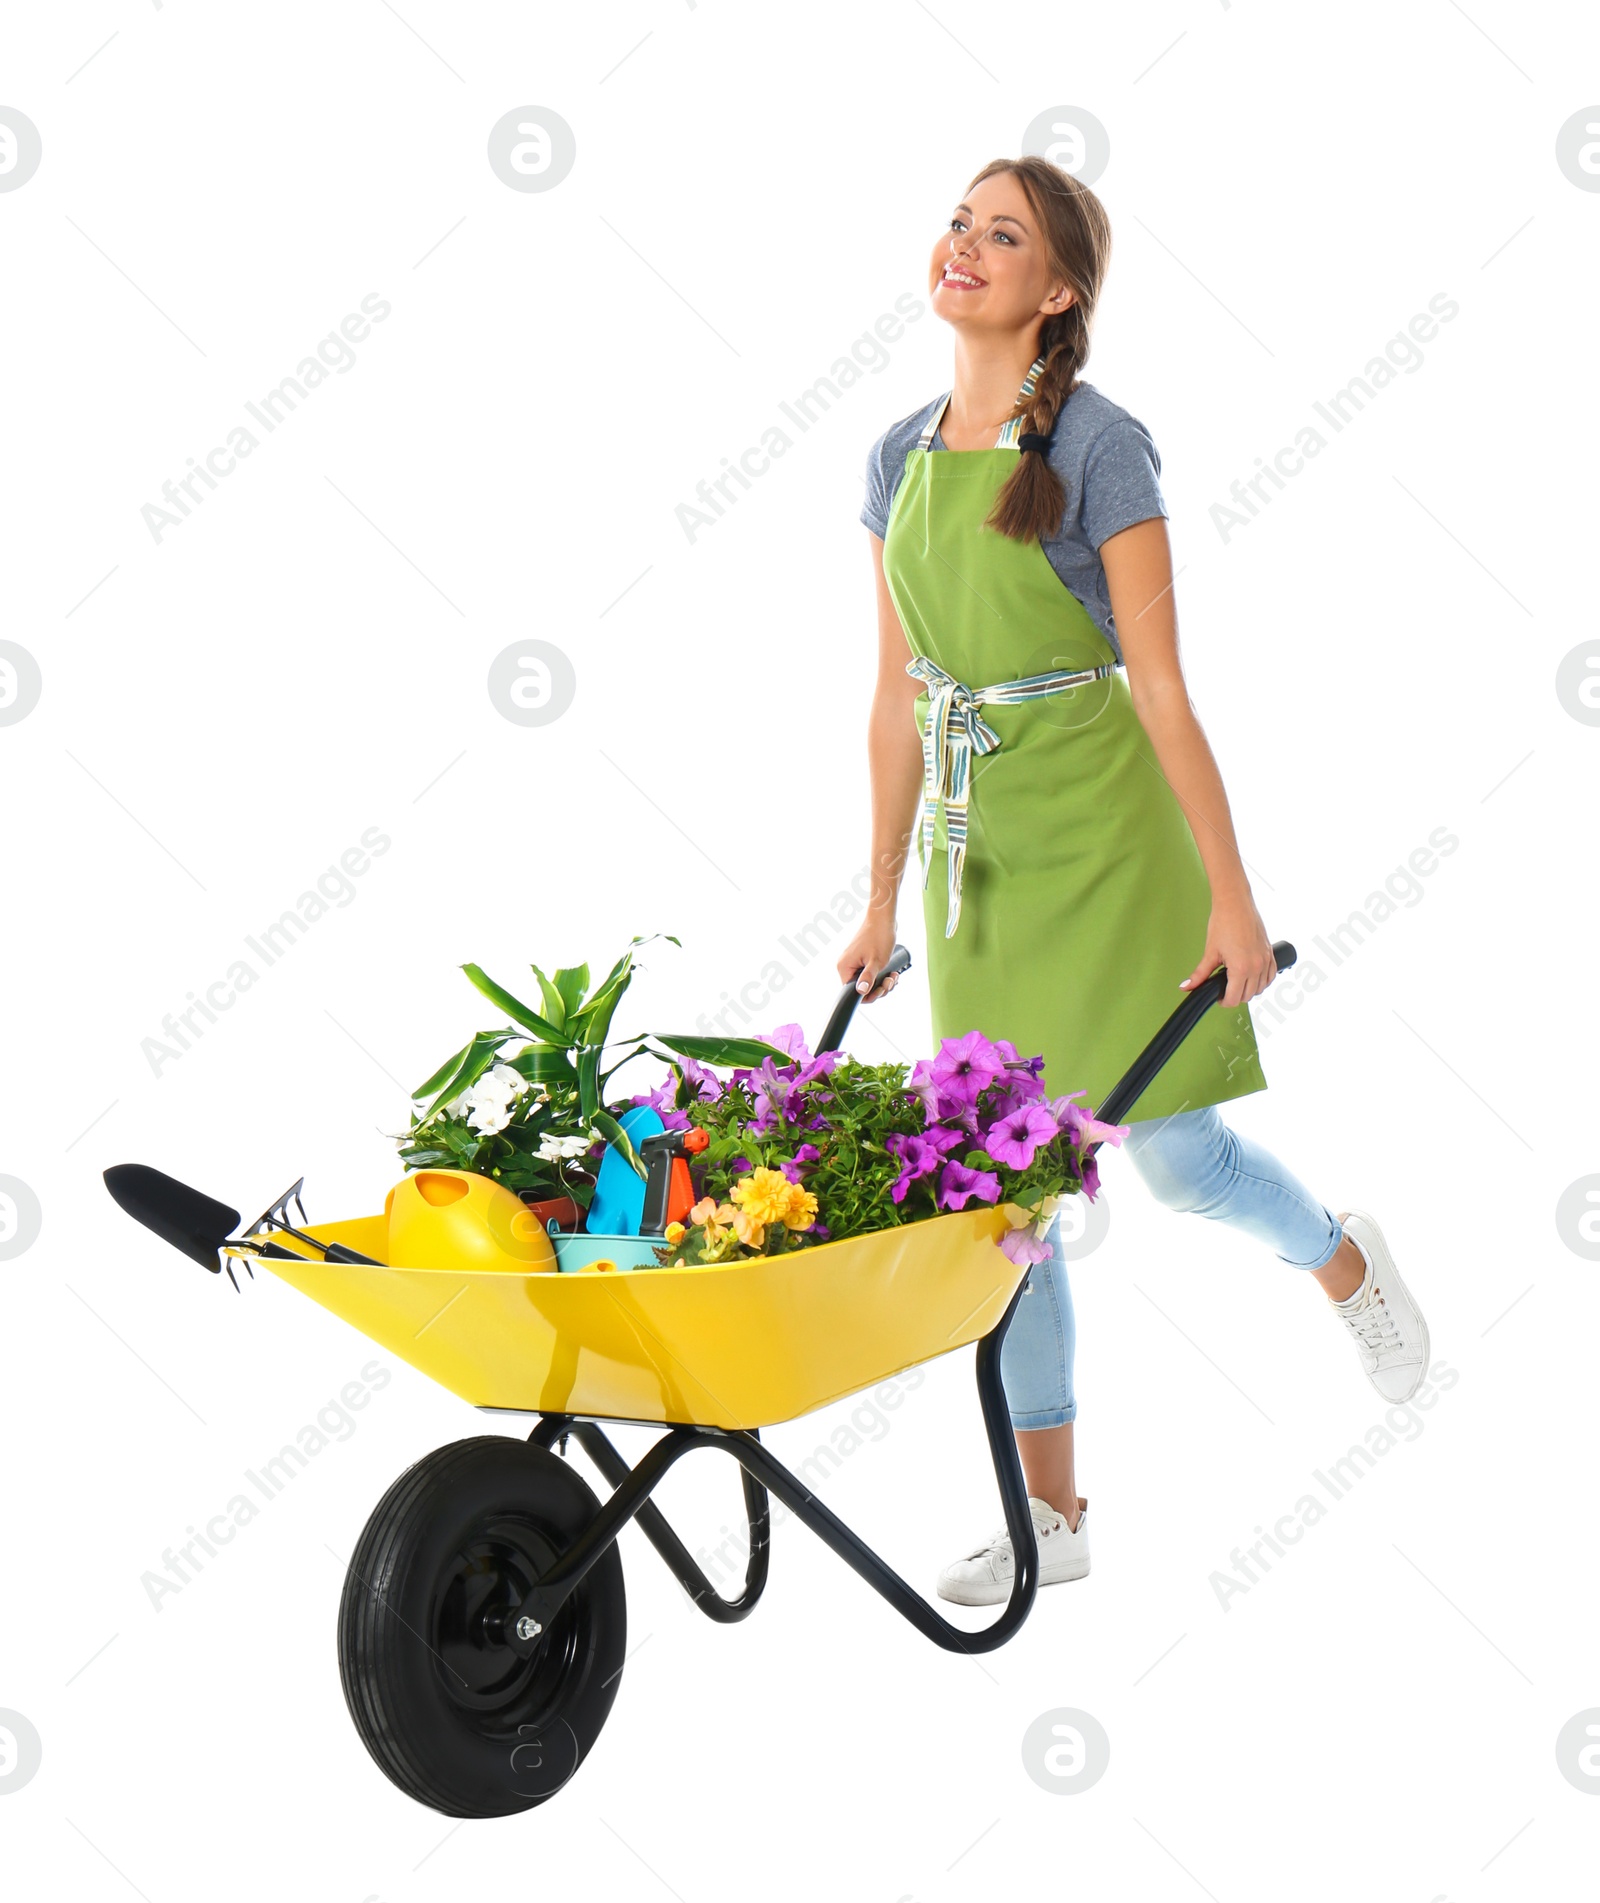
x,y
1077,239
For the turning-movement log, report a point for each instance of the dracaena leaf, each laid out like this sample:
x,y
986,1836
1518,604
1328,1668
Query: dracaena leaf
x,y
571,982
543,1064
589,1081
446,1070
541,1027
555,1006
474,1061
742,1052
592,1025
609,1127
596,1015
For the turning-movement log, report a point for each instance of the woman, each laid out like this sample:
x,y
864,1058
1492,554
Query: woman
x,y
1079,861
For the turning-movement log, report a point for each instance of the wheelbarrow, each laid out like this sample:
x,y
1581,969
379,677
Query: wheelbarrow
x,y
483,1624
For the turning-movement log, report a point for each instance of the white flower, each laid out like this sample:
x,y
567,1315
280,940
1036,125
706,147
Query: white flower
x,y
479,1111
487,1105
558,1149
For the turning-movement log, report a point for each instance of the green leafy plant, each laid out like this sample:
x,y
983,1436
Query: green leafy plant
x,y
536,1117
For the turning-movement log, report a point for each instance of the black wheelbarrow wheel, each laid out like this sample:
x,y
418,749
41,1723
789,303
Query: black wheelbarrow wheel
x,y
454,1714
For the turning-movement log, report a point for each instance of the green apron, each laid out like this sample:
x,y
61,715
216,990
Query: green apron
x,y
1071,889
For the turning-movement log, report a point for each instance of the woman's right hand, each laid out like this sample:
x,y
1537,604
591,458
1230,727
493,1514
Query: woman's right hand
x,y
865,956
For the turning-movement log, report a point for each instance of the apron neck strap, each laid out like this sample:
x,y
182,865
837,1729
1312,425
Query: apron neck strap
x,y
1007,439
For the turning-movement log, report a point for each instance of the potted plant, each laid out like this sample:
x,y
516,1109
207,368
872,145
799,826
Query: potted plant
x,y
526,1103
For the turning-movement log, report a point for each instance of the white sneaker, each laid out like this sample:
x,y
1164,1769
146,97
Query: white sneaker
x,y
1389,1331
983,1576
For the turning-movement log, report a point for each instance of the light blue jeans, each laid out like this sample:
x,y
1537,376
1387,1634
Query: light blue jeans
x,y
1190,1161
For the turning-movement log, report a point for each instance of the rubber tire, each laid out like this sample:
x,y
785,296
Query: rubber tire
x,y
402,1600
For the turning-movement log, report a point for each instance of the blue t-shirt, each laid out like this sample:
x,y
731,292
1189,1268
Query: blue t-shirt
x,y
1109,470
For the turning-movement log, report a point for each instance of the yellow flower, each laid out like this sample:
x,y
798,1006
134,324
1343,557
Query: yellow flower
x,y
767,1196
764,1195
801,1209
674,1232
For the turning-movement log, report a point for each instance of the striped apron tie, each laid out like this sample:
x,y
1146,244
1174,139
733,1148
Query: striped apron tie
x,y
952,733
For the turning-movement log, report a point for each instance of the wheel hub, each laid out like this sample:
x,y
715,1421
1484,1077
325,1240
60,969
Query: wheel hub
x,y
481,1645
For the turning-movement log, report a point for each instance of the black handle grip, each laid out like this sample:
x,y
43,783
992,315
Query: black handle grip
x,y
337,1252
1147,1065
898,961
657,1154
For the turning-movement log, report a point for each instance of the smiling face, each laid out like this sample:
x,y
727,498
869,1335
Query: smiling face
x,y
990,268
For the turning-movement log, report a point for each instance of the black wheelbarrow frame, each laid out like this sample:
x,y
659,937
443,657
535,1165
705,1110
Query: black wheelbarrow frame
x,y
763,1473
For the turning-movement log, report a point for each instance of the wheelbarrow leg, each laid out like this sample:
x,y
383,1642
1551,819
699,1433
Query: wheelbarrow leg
x,y
1003,1449
630,1500
654,1525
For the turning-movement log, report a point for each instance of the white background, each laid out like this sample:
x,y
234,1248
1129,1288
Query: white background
x,y
225,711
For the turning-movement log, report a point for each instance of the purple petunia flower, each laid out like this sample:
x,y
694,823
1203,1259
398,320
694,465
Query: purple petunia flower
x,y
1015,1137
920,1155
706,1082
922,1085
794,1167
965,1065
1033,1065
790,1038
1083,1128
964,1117
769,1088
778,1091
1023,1246
1016,1088
958,1185
815,1067
661,1100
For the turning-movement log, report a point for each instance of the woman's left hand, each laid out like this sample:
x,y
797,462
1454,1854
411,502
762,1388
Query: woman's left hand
x,y
1236,937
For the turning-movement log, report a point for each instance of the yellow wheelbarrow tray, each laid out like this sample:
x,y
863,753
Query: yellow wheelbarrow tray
x,y
483,1625
737,1345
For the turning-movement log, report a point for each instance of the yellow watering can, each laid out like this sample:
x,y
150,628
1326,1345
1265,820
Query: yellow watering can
x,y
457,1219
